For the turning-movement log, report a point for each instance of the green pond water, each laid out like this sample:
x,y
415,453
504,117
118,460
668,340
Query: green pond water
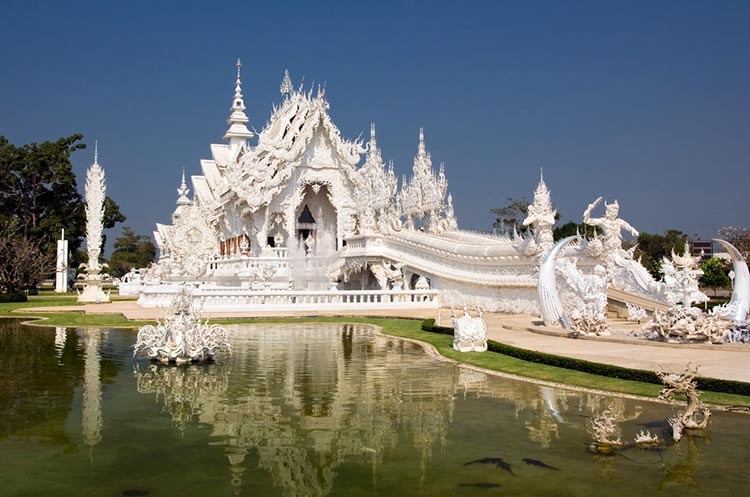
x,y
321,409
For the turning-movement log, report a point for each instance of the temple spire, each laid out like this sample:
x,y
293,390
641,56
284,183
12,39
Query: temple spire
x,y
182,191
422,149
238,134
286,85
96,151
373,140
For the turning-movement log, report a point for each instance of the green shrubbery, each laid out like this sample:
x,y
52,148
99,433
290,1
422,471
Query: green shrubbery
x,y
13,297
708,384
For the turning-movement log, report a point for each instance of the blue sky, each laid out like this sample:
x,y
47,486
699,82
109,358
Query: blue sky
x,y
645,102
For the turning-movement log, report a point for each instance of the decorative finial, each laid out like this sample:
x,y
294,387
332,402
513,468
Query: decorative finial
x,y
286,87
373,140
183,191
541,174
238,88
238,132
96,151
421,141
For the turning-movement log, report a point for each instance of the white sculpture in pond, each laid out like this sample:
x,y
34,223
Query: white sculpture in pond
x,y
683,385
182,337
469,333
95,197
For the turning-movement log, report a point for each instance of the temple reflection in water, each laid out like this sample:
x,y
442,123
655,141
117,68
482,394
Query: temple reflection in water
x,y
313,397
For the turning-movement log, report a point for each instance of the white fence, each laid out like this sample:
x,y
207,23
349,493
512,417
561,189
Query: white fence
x,y
240,300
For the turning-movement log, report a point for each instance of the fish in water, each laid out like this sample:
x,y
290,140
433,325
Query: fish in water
x,y
483,485
497,461
538,463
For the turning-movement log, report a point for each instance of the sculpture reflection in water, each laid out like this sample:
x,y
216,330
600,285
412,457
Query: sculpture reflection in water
x,y
182,337
304,400
91,409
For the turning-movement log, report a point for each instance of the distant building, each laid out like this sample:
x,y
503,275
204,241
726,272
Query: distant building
x,y
704,248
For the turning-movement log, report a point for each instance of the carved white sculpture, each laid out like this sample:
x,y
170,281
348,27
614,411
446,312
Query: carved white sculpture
x,y
611,227
689,324
423,197
603,428
61,268
469,333
623,271
388,275
683,385
635,313
95,196
541,216
681,276
182,337
588,301
375,188
740,301
549,298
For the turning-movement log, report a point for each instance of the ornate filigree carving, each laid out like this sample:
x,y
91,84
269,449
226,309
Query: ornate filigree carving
x,y
541,216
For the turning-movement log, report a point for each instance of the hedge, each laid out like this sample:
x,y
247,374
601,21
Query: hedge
x,y
13,297
708,384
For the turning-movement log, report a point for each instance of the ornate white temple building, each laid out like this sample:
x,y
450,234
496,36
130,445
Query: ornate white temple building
x,y
300,217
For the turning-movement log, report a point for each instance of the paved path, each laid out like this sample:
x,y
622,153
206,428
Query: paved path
x,y
717,361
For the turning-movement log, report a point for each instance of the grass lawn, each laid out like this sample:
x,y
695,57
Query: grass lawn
x,y
405,328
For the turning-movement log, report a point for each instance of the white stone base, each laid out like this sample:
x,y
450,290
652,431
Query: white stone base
x,y
93,294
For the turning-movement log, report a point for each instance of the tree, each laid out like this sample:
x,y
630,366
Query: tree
x,y
112,216
653,247
130,251
512,214
571,228
38,192
715,273
739,237
23,263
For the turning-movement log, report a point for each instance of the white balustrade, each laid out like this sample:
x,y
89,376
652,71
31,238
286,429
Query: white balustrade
x,y
239,300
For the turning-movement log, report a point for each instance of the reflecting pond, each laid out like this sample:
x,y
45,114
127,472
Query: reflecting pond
x,y
321,409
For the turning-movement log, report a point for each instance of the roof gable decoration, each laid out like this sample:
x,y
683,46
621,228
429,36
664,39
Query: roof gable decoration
x,y
263,171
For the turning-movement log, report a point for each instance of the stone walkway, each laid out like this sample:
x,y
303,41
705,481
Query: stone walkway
x,y
716,361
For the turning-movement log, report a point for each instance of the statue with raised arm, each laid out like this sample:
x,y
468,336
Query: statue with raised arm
x,y
610,225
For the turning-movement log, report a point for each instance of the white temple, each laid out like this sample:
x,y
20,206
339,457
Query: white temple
x,y
306,219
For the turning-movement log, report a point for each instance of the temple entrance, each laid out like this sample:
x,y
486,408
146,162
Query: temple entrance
x,y
316,242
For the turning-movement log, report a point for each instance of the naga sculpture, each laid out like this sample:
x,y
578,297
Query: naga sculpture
x,y
740,302
549,299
